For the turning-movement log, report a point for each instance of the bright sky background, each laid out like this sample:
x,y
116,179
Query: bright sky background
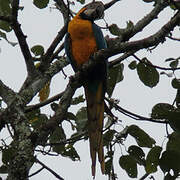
x,y
41,26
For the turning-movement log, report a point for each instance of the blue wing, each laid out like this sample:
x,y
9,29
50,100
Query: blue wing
x,y
100,41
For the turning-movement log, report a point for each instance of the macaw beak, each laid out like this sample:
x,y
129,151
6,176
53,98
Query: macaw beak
x,y
93,11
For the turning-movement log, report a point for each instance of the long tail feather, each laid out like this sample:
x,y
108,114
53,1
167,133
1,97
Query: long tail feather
x,y
95,108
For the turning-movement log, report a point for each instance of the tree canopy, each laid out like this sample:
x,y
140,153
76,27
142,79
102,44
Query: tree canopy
x,y
33,130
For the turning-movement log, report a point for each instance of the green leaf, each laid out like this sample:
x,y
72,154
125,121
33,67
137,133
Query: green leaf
x,y
3,169
167,112
7,155
174,120
175,83
115,75
81,121
174,64
141,137
81,1
147,74
169,59
77,100
115,30
5,26
57,136
152,160
41,3
37,121
162,110
108,166
129,165
174,142
108,137
5,8
178,99
3,35
129,25
54,106
170,160
169,177
132,65
71,116
137,153
70,152
37,50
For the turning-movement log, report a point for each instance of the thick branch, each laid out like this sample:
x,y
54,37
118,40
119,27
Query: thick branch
x,y
64,10
6,93
47,57
48,101
146,20
15,7
24,48
109,4
31,90
115,46
126,34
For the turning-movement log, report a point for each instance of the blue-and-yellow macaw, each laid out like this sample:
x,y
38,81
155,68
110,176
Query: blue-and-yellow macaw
x,y
83,39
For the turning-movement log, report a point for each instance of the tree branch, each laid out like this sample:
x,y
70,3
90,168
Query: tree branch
x,y
158,67
15,7
64,10
52,99
22,39
115,46
121,58
47,56
173,38
126,34
131,114
109,4
38,171
29,91
50,170
6,93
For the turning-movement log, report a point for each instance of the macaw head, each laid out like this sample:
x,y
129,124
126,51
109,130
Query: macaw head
x,y
93,11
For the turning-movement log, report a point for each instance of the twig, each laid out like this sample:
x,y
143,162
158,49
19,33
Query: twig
x,y
64,10
133,115
47,58
145,176
127,33
50,170
68,141
52,99
121,58
46,153
6,93
108,5
115,46
57,52
173,38
8,128
38,171
158,67
22,39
